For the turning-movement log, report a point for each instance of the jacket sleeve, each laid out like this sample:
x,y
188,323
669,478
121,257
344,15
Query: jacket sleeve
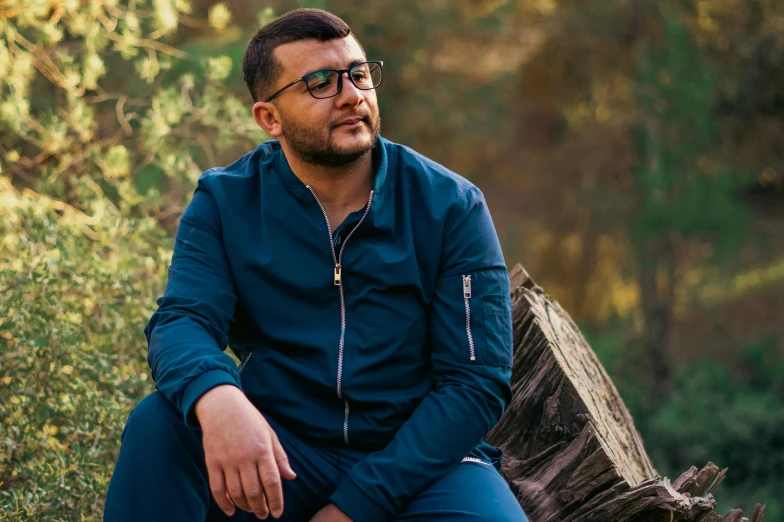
x,y
187,335
471,356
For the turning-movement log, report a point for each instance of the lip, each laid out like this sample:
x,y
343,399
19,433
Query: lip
x,y
350,123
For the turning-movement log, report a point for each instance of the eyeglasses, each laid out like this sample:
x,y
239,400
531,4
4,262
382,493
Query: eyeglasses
x,y
328,82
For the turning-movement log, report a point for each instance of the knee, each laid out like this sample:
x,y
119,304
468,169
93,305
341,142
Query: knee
x,y
152,418
469,492
504,509
495,500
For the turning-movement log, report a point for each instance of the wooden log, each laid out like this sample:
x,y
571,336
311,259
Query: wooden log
x,y
572,452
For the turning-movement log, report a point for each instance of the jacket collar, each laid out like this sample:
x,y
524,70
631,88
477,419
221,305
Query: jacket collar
x,y
303,195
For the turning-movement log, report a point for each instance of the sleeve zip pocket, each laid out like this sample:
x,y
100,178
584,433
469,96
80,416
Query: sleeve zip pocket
x,y
467,299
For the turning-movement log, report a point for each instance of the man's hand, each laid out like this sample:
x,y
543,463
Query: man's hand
x,y
244,458
331,513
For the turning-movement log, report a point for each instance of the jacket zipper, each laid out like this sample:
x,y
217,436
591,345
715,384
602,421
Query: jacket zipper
x,y
466,299
244,362
338,280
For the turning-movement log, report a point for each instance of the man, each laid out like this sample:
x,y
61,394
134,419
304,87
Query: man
x,y
363,287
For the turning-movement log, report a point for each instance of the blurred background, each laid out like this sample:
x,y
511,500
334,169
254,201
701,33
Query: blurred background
x,y
632,153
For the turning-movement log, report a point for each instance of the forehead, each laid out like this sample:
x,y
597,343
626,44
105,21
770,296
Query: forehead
x,y
304,56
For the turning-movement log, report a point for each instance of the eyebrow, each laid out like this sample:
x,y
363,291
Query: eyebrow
x,y
351,64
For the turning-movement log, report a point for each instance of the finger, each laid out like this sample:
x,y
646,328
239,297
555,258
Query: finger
x,y
234,487
270,479
284,466
218,489
254,493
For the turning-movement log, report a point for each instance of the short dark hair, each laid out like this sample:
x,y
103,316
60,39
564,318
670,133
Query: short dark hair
x,y
260,69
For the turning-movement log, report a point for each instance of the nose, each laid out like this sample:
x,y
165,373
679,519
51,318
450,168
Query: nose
x,y
349,94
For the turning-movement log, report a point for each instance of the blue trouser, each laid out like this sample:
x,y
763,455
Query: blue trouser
x,y
161,476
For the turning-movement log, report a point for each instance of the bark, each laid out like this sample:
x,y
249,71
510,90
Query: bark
x,y
572,452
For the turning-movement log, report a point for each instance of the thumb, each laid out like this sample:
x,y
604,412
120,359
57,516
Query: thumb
x,y
284,466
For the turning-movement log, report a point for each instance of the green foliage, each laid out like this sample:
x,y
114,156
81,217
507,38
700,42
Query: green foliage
x,y
683,188
76,293
101,145
733,421
64,117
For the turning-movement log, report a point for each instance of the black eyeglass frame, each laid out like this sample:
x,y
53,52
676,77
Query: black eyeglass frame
x,y
340,80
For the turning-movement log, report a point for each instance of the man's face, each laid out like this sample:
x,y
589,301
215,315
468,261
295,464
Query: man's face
x,y
331,131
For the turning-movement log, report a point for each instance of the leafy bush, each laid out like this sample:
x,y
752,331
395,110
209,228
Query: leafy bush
x,y
76,294
105,128
94,91
734,419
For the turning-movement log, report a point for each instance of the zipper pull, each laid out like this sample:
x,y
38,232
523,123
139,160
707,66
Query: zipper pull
x,y
337,275
467,287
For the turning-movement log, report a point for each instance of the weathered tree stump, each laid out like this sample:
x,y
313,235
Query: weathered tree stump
x,y
572,453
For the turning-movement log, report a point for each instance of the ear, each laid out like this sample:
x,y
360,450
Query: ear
x,y
268,118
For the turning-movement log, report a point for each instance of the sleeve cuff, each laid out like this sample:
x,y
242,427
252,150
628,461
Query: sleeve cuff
x,y
199,387
359,507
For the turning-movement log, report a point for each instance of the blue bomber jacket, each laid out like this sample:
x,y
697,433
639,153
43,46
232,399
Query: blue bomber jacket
x,y
390,333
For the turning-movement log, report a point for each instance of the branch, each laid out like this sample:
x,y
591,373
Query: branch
x,y
152,44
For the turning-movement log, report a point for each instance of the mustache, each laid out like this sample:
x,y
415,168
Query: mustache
x,y
365,117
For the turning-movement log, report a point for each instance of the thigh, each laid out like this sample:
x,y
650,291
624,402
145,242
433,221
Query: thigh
x,y
317,476
472,491
159,473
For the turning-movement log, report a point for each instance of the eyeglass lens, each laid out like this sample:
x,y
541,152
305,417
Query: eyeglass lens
x,y
323,84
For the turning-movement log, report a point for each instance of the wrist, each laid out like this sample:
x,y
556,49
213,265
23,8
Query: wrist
x,y
199,387
218,395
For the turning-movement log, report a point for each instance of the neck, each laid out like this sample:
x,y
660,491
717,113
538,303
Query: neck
x,y
344,188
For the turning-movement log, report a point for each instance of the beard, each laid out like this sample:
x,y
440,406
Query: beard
x,y
317,146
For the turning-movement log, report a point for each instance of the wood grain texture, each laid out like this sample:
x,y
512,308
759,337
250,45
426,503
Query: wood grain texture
x,y
572,452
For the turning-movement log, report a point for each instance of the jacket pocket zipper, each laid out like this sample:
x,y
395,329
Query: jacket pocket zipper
x,y
244,362
474,459
466,299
